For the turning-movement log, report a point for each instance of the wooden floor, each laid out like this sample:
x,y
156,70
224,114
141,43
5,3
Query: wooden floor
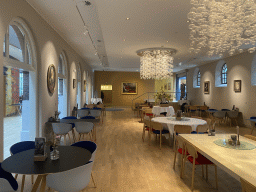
x,y
124,163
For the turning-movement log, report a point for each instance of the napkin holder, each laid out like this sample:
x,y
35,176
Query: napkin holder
x,y
40,149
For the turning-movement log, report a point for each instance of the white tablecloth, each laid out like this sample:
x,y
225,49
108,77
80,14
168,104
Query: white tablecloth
x,y
193,122
157,110
96,100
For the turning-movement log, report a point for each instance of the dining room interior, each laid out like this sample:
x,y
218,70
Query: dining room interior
x,y
155,87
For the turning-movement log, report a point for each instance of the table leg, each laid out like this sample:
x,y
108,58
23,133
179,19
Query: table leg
x,y
74,135
36,184
43,184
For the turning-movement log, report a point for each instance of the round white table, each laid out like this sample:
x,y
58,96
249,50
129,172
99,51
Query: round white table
x,y
193,122
157,110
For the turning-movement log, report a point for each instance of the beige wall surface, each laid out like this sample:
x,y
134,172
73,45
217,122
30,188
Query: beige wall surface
x,y
49,45
115,79
239,68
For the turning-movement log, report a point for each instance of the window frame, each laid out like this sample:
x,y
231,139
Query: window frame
x,y
224,72
198,79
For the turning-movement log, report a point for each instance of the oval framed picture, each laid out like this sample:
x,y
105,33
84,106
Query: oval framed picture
x,y
51,78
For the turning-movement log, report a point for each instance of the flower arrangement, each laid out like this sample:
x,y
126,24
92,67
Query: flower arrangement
x,y
161,97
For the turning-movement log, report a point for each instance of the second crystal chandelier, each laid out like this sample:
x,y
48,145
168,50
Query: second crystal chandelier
x,y
222,25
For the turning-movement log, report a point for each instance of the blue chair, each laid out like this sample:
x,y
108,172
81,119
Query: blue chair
x,y
90,146
19,147
7,181
70,117
225,110
97,108
88,117
85,108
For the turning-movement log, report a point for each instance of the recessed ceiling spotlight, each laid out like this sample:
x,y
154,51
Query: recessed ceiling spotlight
x,y
127,18
167,41
99,41
188,21
88,3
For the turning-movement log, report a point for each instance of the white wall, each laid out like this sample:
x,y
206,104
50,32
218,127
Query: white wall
x,y
239,68
49,46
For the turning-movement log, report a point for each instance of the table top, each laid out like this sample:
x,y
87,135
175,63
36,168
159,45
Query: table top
x,y
23,162
190,121
237,163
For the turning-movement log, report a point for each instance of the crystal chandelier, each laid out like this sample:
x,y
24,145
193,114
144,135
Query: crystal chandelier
x,y
156,63
222,26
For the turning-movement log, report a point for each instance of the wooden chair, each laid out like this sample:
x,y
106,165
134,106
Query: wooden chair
x,y
157,129
181,129
146,127
192,109
232,115
179,148
202,129
219,116
196,158
142,112
246,186
148,112
250,137
203,109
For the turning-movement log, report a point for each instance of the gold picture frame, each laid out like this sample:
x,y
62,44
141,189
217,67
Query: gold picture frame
x,y
51,78
128,88
74,83
237,85
207,87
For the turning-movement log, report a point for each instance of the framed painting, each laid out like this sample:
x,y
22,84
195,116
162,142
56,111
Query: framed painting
x,y
51,78
84,85
206,87
237,85
129,88
74,83
169,86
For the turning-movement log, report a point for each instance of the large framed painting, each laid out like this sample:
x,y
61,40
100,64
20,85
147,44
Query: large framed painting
x,y
129,88
51,78
206,87
237,85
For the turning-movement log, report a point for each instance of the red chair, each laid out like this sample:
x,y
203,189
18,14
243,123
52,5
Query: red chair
x,y
196,158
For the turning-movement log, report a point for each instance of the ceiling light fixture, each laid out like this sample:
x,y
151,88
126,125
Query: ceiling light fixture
x,y
222,26
127,18
156,63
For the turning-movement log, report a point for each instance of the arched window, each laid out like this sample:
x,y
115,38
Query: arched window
x,y
198,78
20,81
224,71
62,86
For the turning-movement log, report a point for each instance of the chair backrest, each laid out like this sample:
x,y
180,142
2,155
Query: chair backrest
x,y
146,122
22,146
61,128
203,108
156,125
212,109
225,110
192,107
95,113
82,112
219,114
149,110
246,186
84,127
72,180
182,129
69,119
7,181
191,150
250,137
232,114
88,117
102,106
179,142
252,117
201,128
89,145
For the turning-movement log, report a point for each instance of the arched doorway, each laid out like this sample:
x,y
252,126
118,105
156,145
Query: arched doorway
x,y
20,84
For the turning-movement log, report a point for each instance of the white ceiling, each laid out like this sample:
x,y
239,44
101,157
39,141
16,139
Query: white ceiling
x,y
152,23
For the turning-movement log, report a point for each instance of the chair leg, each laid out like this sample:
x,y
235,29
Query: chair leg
x,y
69,139
32,179
216,177
143,133
16,175
23,182
65,142
79,137
93,181
206,172
174,162
193,175
160,135
203,171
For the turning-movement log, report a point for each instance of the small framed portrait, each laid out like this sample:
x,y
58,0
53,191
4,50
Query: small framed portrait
x,y
40,146
165,86
207,87
74,83
237,85
129,88
51,78
84,85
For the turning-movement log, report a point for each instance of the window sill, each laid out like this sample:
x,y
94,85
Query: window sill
x,y
222,85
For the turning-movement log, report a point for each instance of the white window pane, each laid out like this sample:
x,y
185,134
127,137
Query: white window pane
x,y
16,43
